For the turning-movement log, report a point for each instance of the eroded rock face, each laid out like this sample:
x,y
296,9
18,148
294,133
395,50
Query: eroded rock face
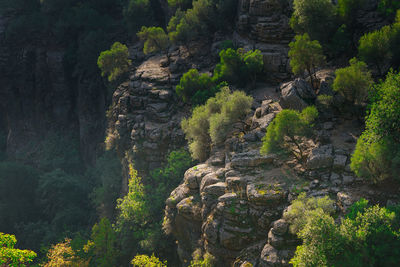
x,y
265,25
296,94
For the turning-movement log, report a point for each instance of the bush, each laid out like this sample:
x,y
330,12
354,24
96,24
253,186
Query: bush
x,y
62,254
114,62
299,212
353,82
315,17
374,48
238,67
155,40
192,83
287,129
212,122
377,153
10,256
146,261
306,55
365,238
389,7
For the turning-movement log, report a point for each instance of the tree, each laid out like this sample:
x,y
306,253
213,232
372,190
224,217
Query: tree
x,y
287,130
114,62
192,82
182,4
306,55
353,82
146,261
374,48
62,255
155,40
211,123
377,153
254,63
314,17
10,256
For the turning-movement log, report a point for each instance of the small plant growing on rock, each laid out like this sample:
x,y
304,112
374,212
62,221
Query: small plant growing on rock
x,y
211,123
155,40
287,129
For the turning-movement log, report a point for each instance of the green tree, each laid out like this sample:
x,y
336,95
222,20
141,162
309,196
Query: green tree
x,y
306,55
377,153
10,256
389,7
146,261
287,130
182,4
254,64
353,82
314,17
155,40
374,48
114,62
103,244
210,123
192,82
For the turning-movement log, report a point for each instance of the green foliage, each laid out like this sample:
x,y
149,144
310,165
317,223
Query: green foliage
x,y
108,172
347,10
103,244
206,260
353,82
306,55
374,48
10,256
377,153
146,261
182,4
238,67
62,254
192,84
301,209
366,237
139,223
114,62
155,39
389,7
212,122
315,17
287,130
205,17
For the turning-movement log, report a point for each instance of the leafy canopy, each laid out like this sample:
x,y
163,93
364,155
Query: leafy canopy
x,y
377,153
155,39
10,256
114,62
306,55
353,82
211,122
287,129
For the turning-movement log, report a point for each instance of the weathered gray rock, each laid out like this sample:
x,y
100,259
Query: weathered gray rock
x,y
320,158
339,162
295,94
251,159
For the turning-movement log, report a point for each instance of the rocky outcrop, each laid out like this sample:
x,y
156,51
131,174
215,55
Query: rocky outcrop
x,y
264,25
296,94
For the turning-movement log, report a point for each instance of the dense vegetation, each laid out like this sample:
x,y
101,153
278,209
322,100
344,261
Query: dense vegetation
x,y
365,237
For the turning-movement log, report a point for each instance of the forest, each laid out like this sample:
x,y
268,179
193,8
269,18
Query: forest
x,y
198,154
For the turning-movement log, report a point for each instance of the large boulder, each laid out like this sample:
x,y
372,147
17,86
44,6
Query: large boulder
x,y
296,94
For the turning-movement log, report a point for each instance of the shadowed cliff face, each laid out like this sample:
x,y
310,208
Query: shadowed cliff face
x,y
38,95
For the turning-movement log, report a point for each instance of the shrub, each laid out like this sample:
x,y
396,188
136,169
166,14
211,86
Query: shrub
x,y
298,213
182,4
315,17
238,67
155,40
114,62
389,7
365,238
10,256
62,254
146,261
353,82
193,82
374,48
377,153
306,55
211,122
287,129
